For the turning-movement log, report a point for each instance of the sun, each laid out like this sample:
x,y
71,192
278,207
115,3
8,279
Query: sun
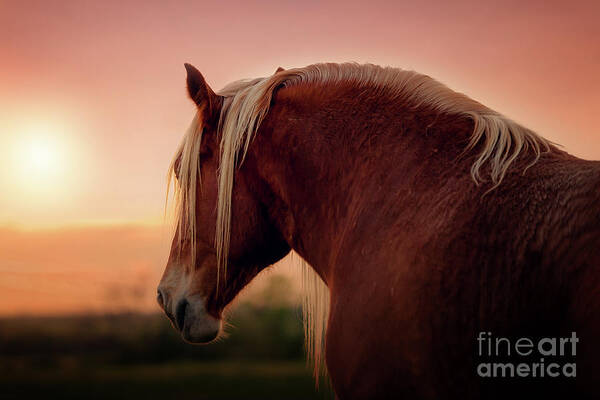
x,y
41,156
44,167
41,159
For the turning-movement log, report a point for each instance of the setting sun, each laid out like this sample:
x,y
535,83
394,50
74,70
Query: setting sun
x,y
40,169
40,158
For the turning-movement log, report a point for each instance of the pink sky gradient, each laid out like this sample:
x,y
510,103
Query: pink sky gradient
x,y
112,73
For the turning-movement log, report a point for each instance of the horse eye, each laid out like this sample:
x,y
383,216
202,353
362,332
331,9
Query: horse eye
x,y
205,153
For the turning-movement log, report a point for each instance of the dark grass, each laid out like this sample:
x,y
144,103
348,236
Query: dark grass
x,y
181,380
141,356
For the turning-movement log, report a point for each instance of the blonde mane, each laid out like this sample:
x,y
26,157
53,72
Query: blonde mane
x,y
246,105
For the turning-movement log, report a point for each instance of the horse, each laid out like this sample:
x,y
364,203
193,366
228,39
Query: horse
x,y
429,225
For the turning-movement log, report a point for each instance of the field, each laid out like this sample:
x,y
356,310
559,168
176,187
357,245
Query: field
x,y
141,356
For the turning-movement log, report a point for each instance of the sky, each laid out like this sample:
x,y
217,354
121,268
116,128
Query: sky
x,y
93,101
97,269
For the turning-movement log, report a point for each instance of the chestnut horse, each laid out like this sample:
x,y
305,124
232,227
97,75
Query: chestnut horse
x,y
430,218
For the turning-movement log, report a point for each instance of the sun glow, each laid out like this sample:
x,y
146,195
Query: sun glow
x,y
40,168
41,157
46,168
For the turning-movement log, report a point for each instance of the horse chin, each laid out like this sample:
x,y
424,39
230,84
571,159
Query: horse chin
x,y
200,329
203,338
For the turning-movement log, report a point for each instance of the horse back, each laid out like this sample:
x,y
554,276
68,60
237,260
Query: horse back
x,y
518,261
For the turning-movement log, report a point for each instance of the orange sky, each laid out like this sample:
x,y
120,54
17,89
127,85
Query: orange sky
x,y
93,269
98,87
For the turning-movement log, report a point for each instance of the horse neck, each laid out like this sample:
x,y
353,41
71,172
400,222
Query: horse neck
x,y
327,172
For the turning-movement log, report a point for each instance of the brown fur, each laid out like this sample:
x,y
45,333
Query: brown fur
x,y
418,259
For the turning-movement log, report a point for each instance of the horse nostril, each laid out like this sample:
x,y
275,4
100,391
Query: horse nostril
x,y
160,299
180,313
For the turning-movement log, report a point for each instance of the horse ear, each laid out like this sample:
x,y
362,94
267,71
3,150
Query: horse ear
x,y
279,69
200,92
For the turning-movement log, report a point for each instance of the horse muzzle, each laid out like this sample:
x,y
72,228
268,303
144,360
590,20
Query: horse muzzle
x,y
188,315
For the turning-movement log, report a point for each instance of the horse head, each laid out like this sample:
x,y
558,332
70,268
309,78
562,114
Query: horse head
x,y
211,260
